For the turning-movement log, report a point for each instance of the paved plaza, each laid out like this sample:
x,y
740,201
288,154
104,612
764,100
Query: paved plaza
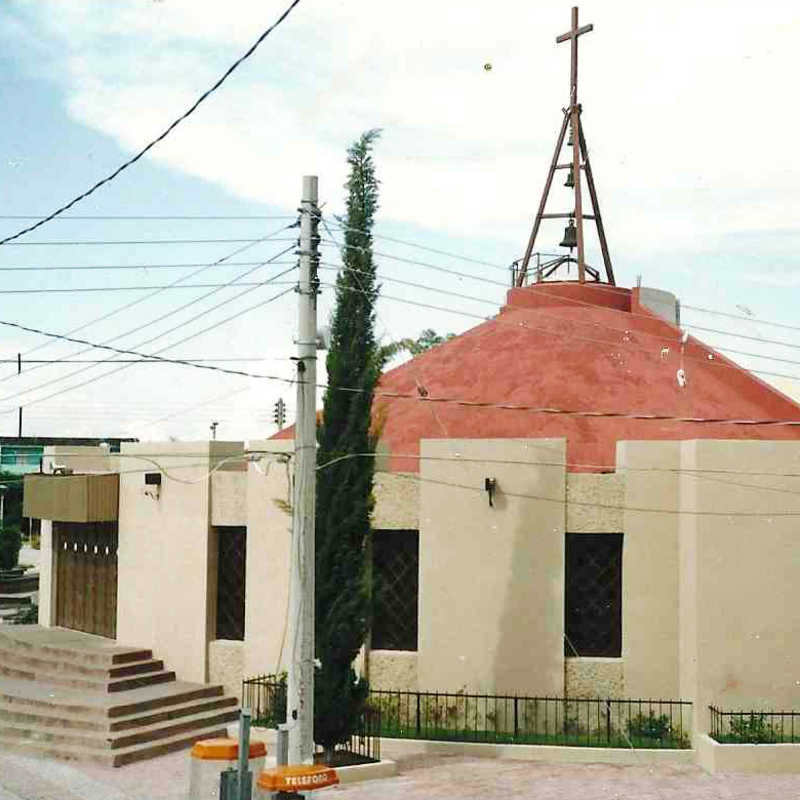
x,y
422,777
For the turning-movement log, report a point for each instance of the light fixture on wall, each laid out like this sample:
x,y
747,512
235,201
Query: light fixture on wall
x,y
490,485
152,485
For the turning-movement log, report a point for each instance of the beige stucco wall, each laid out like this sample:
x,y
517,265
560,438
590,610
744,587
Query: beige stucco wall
x,y
740,575
166,587
226,665
79,458
396,501
47,575
229,497
269,531
393,669
491,598
650,568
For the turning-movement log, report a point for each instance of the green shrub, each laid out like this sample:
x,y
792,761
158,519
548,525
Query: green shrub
x,y
10,545
753,729
649,726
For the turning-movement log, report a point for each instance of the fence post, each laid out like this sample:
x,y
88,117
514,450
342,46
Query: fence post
x,y
608,721
516,718
418,715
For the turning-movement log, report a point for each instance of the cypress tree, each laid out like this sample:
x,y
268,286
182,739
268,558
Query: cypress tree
x,y
344,489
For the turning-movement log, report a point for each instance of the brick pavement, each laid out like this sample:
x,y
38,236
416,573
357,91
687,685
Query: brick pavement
x,y
420,778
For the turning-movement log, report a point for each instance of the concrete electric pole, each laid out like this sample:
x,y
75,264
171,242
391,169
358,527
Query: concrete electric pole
x,y
300,688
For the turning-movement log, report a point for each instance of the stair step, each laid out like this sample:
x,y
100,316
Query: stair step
x,y
177,711
77,682
115,758
31,696
107,740
37,662
69,646
17,714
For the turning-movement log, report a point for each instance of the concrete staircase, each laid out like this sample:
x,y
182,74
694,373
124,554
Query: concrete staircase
x,y
70,695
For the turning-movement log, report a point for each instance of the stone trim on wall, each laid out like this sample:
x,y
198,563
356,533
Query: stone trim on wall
x,y
594,502
226,665
396,501
393,669
594,677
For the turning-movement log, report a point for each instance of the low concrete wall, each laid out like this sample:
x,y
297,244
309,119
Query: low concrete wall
x,y
399,748
714,757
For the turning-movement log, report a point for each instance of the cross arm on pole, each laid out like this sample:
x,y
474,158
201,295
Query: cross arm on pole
x,y
565,37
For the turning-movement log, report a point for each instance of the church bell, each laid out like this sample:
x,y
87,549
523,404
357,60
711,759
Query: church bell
x,y
570,181
570,236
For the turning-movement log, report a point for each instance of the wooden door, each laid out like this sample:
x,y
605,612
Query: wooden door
x,y
86,576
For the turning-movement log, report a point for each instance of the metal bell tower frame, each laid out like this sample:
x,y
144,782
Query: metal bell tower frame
x,y
578,164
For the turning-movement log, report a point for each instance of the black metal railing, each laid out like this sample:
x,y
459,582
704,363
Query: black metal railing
x,y
508,719
265,696
755,727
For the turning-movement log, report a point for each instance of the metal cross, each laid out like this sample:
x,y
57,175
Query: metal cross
x,y
572,36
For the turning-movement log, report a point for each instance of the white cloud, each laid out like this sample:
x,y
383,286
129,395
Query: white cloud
x,y
680,101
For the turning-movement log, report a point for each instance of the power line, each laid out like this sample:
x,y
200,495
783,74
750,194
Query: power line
x,y
740,318
416,397
582,303
161,136
715,363
139,288
159,335
153,356
80,267
569,300
145,217
344,227
140,300
91,242
133,360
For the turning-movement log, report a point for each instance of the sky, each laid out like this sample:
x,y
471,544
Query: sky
x,y
687,108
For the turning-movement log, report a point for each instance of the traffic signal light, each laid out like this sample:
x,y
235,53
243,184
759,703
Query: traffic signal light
x,y
279,414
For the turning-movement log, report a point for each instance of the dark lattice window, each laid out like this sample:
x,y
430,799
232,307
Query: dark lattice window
x,y
230,582
593,602
395,575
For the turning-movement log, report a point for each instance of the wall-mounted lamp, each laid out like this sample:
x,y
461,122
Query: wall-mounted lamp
x,y
490,485
152,484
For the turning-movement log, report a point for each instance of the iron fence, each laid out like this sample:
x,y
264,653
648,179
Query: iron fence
x,y
755,727
507,719
265,696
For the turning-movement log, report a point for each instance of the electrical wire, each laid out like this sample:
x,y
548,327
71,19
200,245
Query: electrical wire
x,y
105,242
139,300
541,289
82,267
140,288
161,136
416,397
164,316
661,339
715,363
145,217
154,355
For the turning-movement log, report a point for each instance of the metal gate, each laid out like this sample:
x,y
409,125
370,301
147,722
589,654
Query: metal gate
x,y
86,576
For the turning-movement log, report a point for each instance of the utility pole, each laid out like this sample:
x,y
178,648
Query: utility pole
x,y
300,684
19,371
